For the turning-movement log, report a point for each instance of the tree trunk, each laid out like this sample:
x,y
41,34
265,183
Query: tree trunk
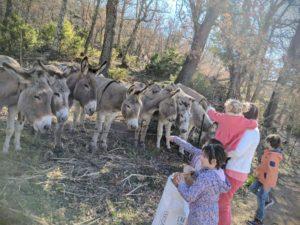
x,y
59,28
1,10
292,62
121,23
111,18
130,42
201,33
234,82
90,35
8,11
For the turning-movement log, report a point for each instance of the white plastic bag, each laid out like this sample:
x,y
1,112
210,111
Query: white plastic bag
x,y
172,208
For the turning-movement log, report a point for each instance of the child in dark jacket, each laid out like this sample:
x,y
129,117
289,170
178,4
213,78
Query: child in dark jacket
x,y
203,194
267,175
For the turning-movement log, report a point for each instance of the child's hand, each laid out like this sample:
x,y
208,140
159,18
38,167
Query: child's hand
x,y
181,178
171,138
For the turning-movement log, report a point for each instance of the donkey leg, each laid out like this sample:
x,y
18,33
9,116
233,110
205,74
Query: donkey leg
x,y
168,128
76,113
18,130
99,127
10,127
106,128
57,136
160,127
145,126
137,134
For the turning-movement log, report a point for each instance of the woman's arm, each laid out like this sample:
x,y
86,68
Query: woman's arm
x,y
185,145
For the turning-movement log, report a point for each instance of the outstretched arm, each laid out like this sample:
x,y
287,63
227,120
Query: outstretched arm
x,y
214,115
185,145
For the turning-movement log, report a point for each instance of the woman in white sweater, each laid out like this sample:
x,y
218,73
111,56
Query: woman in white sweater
x,y
238,167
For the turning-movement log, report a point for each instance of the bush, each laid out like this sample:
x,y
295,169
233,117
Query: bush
x,y
47,35
16,34
165,65
71,43
118,73
202,85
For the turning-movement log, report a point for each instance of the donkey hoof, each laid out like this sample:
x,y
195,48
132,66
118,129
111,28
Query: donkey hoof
x,y
143,146
136,143
103,146
92,147
48,155
58,150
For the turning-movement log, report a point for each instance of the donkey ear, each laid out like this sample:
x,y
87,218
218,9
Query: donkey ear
x,y
23,76
85,66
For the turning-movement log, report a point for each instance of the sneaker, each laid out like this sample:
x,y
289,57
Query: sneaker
x,y
268,204
255,222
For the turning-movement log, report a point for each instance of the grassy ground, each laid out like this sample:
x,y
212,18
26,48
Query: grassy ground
x,y
120,186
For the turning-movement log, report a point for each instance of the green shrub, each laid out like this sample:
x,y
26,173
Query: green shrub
x,y
165,65
47,34
71,43
250,180
202,85
118,73
17,35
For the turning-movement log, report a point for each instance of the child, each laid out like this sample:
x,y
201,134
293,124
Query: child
x,y
267,174
203,194
195,152
231,124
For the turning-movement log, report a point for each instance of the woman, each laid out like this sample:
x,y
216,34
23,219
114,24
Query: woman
x,y
238,167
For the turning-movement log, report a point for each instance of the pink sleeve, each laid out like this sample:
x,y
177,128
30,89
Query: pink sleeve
x,y
249,124
214,115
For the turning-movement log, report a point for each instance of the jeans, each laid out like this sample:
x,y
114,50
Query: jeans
x,y
262,197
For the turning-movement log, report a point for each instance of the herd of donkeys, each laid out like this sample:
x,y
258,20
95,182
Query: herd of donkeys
x,y
36,94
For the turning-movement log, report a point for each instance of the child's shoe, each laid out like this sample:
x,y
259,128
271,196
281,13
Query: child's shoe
x,y
255,222
268,204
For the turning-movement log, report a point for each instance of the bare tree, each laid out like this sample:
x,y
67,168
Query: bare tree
x,y
125,3
111,18
201,32
8,11
290,67
60,23
144,14
90,35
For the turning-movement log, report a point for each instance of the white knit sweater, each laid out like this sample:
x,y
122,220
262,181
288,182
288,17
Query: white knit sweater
x,y
242,157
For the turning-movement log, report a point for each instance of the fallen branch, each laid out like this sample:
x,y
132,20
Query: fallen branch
x,y
138,187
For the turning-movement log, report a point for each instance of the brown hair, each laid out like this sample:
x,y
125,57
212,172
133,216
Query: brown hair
x,y
252,112
274,140
215,151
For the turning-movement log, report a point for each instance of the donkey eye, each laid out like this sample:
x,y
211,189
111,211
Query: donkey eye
x,y
56,94
37,97
87,86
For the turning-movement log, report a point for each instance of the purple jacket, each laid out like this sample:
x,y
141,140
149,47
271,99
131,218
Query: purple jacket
x,y
195,152
203,197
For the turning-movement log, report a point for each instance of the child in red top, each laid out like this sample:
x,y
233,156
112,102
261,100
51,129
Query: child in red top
x,y
267,174
231,124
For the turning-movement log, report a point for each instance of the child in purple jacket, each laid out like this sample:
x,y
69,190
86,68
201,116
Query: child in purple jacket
x,y
203,194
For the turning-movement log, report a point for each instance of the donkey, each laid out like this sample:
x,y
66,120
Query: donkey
x,y
114,97
198,113
27,94
60,98
151,98
82,85
178,106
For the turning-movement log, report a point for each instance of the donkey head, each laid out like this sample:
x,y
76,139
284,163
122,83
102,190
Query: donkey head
x,y
86,87
34,102
132,104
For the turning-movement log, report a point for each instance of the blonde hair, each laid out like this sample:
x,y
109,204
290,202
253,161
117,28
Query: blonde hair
x,y
234,106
